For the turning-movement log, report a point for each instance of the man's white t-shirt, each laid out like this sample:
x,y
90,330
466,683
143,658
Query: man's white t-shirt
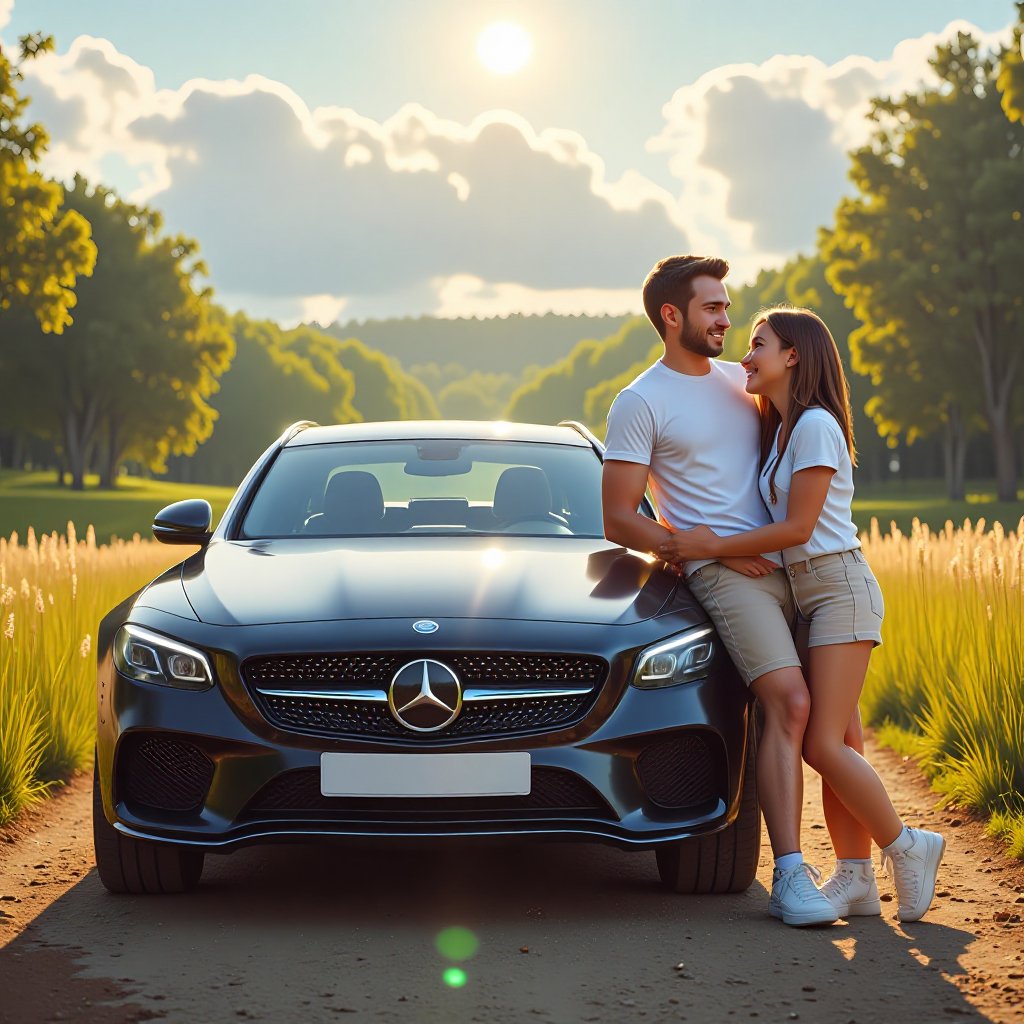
x,y
817,440
700,436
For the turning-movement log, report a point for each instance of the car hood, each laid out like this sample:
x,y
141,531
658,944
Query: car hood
x,y
566,579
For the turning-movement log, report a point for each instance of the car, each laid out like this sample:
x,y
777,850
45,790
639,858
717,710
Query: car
x,y
412,630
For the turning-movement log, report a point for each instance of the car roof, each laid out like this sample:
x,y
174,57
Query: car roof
x,y
415,430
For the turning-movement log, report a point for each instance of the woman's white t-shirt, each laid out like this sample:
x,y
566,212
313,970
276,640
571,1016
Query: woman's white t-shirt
x,y
817,440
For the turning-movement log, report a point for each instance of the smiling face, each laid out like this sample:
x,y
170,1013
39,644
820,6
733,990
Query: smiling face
x,y
702,328
768,362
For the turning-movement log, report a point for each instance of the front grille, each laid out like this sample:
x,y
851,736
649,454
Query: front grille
x,y
683,771
553,793
162,773
371,669
340,716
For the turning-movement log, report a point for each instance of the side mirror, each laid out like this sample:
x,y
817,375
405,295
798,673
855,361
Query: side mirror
x,y
184,522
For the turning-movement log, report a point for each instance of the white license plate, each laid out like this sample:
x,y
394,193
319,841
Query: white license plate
x,y
500,774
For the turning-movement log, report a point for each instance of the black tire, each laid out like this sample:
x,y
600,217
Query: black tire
x,y
138,865
725,861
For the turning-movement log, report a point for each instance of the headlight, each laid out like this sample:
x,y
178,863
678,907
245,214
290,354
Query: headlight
x,y
152,658
675,661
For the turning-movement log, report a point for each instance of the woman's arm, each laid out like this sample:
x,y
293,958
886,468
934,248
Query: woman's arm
x,y
806,500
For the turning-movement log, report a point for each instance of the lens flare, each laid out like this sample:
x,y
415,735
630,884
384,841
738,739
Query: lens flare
x,y
457,943
454,977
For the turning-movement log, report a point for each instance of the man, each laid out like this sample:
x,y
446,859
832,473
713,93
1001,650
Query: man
x,y
687,426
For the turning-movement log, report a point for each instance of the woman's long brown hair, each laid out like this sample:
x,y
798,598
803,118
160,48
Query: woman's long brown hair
x,y
818,380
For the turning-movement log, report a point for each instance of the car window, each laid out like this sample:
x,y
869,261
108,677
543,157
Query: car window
x,y
428,486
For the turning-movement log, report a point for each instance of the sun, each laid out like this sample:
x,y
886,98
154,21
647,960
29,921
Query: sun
x,y
504,47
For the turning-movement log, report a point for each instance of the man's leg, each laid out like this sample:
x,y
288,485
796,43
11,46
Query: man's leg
x,y
752,617
780,787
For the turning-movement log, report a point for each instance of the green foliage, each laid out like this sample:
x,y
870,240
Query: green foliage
x,y
132,376
494,345
561,391
476,395
278,377
1011,73
44,247
930,255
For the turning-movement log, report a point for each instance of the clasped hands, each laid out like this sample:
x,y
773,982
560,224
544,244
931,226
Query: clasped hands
x,y
702,542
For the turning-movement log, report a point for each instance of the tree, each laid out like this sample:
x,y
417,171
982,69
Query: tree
x,y
560,391
1011,75
44,247
274,379
132,375
930,255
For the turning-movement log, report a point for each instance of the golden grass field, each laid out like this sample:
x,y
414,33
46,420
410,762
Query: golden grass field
x,y
946,686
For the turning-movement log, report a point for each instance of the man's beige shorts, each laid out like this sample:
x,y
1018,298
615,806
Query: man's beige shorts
x,y
840,596
753,615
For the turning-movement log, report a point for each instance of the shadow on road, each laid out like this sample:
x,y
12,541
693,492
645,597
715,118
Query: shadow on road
x,y
565,933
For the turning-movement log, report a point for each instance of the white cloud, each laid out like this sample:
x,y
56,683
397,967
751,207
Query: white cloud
x,y
6,6
289,202
466,295
761,150
301,212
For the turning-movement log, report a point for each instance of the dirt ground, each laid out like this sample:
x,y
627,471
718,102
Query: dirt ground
x,y
566,933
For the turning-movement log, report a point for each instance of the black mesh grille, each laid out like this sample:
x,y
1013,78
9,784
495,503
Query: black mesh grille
x,y
163,773
474,668
342,717
553,792
683,771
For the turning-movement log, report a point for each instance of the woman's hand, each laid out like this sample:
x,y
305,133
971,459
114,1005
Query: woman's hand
x,y
749,565
686,545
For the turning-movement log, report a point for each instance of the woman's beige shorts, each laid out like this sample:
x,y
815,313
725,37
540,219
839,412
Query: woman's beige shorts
x,y
840,597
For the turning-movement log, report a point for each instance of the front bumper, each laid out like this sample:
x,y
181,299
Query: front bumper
x,y
642,768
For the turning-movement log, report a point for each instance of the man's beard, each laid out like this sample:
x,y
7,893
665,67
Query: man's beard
x,y
696,341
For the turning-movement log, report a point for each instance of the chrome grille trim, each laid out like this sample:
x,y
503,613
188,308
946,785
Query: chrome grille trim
x,y
468,695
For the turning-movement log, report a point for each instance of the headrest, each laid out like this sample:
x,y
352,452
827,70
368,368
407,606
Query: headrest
x,y
522,492
353,502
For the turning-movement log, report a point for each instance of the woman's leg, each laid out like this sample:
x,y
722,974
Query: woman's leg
x,y
835,679
850,839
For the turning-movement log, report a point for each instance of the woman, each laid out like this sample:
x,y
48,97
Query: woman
x,y
806,480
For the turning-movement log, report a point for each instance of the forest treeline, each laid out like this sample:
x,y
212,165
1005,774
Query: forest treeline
x,y
114,354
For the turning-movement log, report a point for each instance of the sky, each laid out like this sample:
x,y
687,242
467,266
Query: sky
x,y
348,159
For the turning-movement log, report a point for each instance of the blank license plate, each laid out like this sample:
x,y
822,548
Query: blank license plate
x,y
501,774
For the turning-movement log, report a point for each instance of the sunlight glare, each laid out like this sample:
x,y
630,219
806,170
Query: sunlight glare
x,y
504,47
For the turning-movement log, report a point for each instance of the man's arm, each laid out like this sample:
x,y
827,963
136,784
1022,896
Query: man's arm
x,y
622,489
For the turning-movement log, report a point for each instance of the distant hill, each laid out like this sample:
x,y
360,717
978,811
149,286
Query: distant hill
x,y
495,345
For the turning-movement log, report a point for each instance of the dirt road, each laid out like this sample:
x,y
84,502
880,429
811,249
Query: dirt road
x,y
566,933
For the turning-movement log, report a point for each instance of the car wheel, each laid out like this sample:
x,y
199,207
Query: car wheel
x,y
725,861
139,865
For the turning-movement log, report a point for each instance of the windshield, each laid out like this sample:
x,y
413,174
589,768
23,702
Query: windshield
x,y
390,488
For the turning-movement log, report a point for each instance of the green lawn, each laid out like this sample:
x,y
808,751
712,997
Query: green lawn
x,y
926,499
34,499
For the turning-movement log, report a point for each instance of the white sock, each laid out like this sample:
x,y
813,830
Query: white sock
x,y
903,842
853,860
789,860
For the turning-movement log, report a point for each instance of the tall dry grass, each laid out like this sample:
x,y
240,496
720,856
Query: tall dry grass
x,y
53,592
948,683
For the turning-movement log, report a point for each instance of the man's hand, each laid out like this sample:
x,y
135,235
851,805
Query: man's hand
x,y
686,545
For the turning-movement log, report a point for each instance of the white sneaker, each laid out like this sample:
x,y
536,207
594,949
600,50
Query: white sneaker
x,y
797,900
913,872
852,891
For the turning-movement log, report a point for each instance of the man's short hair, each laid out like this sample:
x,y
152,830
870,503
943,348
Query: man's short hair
x,y
671,281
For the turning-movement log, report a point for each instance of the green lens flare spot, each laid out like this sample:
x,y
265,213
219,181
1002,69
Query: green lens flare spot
x,y
456,943
454,977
